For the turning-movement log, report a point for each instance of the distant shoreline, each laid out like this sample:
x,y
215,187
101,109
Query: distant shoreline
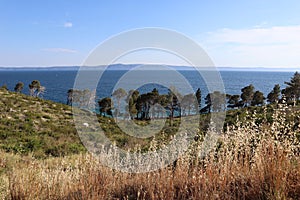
x,y
121,67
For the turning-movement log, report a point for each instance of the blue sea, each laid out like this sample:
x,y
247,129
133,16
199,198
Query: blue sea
x,y
58,82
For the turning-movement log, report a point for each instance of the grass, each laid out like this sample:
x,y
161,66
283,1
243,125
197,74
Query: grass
x,y
256,157
243,167
33,125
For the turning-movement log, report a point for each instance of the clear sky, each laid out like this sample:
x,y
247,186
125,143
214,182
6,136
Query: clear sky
x,y
257,33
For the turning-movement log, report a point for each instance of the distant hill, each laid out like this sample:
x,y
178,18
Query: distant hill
x,y
131,66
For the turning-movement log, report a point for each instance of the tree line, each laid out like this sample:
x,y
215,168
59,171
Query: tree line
x,y
35,88
173,104
250,97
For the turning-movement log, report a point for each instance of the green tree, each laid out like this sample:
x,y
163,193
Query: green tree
x,y
84,98
81,98
258,99
70,97
287,94
164,102
154,98
218,101
247,94
273,96
189,103
118,95
131,100
215,102
105,106
145,105
208,102
173,105
292,91
233,100
35,88
198,96
19,87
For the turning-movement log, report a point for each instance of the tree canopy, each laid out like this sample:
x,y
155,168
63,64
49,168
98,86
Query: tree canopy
x,y
36,89
19,87
105,106
258,99
119,94
247,94
273,96
292,91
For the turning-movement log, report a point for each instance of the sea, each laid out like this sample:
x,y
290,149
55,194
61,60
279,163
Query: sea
x,y
59,81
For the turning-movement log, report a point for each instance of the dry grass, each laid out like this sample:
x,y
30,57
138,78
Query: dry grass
x,y
250,162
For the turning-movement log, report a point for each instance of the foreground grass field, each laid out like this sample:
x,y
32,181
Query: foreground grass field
x,y
257,157
243,167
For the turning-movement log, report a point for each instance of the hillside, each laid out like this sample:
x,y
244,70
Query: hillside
x,y
257,157
43,127
29,124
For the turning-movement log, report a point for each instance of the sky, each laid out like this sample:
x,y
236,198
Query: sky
x,y
257,33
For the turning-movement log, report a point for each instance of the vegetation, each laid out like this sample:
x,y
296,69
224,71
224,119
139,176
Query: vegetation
x,y
35,126
19,87
81,98
258,99
292,91
247,94
105,106
251,161
273,96
119,94
4,87
36,89
215,102
256,156
139,104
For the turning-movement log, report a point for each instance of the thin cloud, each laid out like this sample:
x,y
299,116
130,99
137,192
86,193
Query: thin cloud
x,y
68,24
268,47
253,36
60,50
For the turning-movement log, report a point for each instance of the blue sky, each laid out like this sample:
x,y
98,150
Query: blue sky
x,y
258,33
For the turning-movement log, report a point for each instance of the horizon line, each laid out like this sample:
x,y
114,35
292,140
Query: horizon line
x,y
240,68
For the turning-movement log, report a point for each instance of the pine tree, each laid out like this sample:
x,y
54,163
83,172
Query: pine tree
x,y
105,106
119,94
19,87
273,96
247,94
258,99
198,96
292,91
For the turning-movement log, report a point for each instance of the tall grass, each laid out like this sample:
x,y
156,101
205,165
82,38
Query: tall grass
x,y
250,161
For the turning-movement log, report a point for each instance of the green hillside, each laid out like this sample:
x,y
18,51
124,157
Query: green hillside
x,y
29,124
257,157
